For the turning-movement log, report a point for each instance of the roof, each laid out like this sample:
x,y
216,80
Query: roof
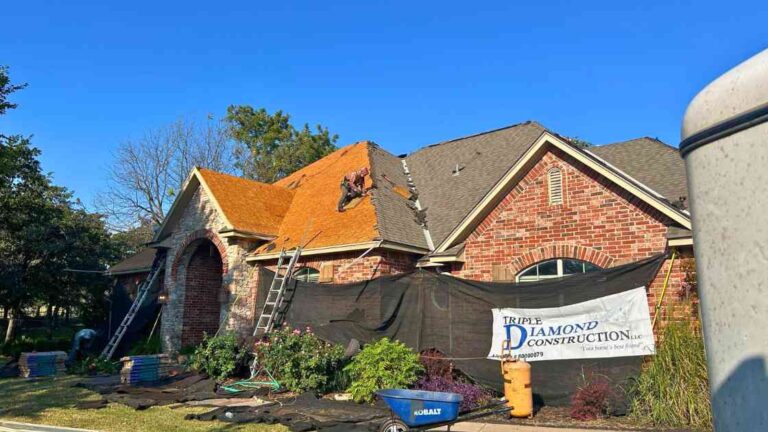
x,y
248,205
141,262
650,161
384,214
450,182
482,159
395,210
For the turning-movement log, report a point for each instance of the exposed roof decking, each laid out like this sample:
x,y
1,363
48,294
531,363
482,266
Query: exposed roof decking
x,y
312,219
250,206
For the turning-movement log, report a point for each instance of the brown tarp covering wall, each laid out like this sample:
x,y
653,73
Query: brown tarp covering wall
x,y
427,310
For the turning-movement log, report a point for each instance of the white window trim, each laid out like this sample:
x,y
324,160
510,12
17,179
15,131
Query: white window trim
x,y
560,270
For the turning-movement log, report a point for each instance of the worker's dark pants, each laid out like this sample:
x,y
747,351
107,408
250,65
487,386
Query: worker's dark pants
x,y
347,195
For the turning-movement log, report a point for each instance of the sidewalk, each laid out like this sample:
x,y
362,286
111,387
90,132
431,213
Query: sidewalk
x,y
495,427
9,426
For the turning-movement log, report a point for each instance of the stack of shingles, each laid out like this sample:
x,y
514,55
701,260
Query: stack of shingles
x,y
145,369
38,364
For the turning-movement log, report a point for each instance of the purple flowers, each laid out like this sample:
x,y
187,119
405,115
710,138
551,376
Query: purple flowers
x,y
474,395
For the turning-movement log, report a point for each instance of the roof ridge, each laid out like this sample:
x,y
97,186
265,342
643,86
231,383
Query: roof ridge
x,y
261,183
525,123
646,137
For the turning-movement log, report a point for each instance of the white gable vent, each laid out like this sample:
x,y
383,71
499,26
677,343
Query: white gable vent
x,y
555,186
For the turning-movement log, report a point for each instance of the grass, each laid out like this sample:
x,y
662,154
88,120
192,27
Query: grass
x,y
672,390
52,401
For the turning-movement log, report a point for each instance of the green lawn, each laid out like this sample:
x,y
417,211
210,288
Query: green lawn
x,y
52,402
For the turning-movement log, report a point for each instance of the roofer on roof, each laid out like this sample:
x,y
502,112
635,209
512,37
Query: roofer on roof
x,y
352,186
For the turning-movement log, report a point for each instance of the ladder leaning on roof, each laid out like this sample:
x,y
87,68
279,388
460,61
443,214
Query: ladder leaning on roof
x,y
141,294
274,300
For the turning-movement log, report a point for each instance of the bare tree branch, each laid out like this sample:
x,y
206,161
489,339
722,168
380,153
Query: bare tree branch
x,y
147,173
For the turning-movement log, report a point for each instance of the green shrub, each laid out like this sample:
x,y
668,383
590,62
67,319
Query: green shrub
x,y
146,346
382,364
300,361
93,365
672,390
220,356
26,343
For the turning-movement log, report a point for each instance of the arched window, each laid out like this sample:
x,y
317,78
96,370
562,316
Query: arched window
x,y
307,274
555,178
555,268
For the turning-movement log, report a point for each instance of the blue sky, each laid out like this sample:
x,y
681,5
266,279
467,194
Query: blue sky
x,y
404,74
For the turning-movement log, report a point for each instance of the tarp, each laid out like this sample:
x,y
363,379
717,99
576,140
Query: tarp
x,y
427,310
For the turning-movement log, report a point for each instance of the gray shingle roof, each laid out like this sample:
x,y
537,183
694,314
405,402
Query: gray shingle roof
x,y
482,159
138,263
396,214
651,162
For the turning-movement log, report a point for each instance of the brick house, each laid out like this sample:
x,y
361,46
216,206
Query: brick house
x,y
514,204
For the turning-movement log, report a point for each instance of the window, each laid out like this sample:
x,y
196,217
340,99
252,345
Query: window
x,y
555,186
555,268
307,274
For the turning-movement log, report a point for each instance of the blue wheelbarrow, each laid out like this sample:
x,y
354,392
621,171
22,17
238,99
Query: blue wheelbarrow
x,y
420,410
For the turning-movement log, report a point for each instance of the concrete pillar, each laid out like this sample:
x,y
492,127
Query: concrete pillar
x,y
725,145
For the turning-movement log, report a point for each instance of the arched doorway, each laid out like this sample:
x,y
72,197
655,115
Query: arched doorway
x,y
202,284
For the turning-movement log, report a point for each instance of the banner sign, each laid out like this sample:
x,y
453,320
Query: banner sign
x,y
617,325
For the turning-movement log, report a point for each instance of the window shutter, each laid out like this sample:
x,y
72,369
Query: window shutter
x,y
326,273
555,186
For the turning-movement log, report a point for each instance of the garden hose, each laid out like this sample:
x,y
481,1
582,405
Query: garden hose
x,y
253,384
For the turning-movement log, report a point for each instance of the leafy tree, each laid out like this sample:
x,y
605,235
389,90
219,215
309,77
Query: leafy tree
x,y
6,88
578,142
269,147
44,234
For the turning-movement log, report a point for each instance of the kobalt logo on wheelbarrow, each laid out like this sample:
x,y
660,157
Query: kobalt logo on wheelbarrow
x,y
427,411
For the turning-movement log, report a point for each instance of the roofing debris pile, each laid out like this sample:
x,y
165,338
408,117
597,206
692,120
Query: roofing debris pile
x,y
299,413
38,364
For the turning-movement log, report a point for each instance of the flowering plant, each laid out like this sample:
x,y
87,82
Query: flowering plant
x,y
299,360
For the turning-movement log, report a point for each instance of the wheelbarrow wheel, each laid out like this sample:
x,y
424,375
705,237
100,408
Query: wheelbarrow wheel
x,y
393,425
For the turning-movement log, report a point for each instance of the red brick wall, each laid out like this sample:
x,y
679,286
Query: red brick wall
x,y
201,297
679,302
597,222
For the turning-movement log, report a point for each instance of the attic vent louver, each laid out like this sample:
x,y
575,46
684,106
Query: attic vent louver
x,y
555,186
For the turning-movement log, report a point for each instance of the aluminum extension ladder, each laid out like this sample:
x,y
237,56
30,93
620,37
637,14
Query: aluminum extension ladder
x,y
141,295
276,292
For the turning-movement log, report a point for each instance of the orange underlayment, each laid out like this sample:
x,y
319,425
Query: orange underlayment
x,y
249,205
301,208
313,213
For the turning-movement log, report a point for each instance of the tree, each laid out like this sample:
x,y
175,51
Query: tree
x,y
580,143
43,233
6,88
269,148
148,172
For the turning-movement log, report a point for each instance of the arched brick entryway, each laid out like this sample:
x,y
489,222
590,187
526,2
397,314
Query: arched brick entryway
x,y
202,285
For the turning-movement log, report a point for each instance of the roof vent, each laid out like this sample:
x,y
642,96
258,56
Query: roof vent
x,y
457,169
555,186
